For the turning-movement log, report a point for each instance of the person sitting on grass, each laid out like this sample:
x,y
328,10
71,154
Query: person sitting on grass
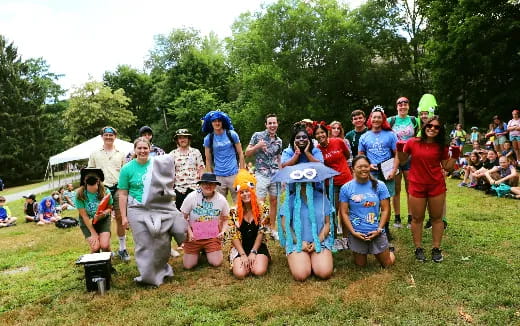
x,y
504,173
94,225
6,219
207,212
474,164
47,211
68,197
365,208
249,254
509,153
488,163
30,208
514,193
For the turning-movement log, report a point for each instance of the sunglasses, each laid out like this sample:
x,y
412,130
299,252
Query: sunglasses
x,y
378,108
2,200
403,102
432,126
108,131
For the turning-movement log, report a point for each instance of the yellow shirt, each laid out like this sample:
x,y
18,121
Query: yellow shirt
x,y
108,161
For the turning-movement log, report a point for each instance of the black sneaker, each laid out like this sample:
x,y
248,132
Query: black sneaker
x,y
436,255
397,222
445,224
419,255
428,225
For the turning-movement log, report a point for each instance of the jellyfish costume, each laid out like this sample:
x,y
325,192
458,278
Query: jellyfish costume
x,y
311,176
214,115
427,103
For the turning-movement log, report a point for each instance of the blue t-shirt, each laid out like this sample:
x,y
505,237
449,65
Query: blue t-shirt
x,y
131,178
500,128
288,153
378,146
224,154
322,208
363,204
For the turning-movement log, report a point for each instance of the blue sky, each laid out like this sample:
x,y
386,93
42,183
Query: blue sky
x,y
82,38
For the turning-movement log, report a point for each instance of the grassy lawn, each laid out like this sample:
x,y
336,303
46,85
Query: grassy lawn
x,y
478,282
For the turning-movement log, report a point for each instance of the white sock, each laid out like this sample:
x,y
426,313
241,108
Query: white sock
x,y
122,243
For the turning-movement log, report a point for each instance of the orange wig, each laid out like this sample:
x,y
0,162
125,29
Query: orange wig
x,y
245,180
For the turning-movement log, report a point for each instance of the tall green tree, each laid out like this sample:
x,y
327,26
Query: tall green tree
x,y
94,106
473,55
27,92
139,88
183,65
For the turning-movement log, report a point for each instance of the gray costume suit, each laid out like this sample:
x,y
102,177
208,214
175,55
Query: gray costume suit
x,y
155,221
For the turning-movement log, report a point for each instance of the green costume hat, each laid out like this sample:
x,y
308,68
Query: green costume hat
x,y
427,103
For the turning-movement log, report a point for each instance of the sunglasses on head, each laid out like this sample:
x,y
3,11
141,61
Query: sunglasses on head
x,y
432,126
403,102
108,131
378,108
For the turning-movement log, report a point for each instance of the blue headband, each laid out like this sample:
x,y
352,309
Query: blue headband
x,y
109,131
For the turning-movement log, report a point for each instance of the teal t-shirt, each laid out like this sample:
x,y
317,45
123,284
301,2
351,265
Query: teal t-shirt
x,y
91,203
131,178
403,127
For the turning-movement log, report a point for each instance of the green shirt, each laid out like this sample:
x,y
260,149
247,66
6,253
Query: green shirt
x,y
132,177
91,203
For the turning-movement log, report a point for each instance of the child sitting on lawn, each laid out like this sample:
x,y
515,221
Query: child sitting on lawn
x,y
5,214
504,173
30,208
47,211
474,164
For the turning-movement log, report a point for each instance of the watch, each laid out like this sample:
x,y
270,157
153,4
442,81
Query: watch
x,y
253,251
382,230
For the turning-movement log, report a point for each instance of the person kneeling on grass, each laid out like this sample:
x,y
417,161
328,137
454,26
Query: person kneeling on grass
x,y
47,211
249,254
307,236
94,224
207,211
365,208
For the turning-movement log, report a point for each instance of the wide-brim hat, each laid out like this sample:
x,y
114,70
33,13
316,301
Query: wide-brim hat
x,y
208,178
474,128
182,132
85,171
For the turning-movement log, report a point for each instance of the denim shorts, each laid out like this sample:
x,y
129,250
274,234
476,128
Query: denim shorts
x,y
514,138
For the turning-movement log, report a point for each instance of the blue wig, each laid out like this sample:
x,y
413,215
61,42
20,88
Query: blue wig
x,y
214,115
42,208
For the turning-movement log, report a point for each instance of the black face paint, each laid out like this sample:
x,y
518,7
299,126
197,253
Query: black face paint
x,y
91,181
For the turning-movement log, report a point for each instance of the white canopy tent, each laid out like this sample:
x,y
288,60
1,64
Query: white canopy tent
x,y
83,151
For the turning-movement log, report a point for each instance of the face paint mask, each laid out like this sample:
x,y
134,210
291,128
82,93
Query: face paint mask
x,y
91,181
55,196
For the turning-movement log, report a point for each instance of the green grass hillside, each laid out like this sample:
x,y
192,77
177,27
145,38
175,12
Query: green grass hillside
x,y
478,281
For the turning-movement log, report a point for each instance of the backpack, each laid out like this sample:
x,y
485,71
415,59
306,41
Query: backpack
x,y
66,222
3,213
413,119
501,189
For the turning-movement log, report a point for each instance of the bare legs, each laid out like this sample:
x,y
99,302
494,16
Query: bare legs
x,y
302,264
435,209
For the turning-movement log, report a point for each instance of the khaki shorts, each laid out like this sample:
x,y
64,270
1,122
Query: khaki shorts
x,y
207,245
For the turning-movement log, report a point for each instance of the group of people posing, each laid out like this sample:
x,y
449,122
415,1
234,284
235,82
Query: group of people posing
x,y
180,195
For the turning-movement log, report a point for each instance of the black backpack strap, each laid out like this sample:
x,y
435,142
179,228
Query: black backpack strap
x,y
228,134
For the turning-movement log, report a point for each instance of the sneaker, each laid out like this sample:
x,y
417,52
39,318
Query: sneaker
x,y
445,224
428,225
274,235
344,241
174,253
436,255
397,223
472,185
391,247
338,245
409,222
463,184
123,255
419,255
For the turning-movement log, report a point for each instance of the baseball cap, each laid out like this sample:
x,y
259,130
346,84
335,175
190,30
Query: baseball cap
x,y
31,196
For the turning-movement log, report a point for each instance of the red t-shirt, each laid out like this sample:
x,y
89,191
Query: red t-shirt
x,y
426,160
334,156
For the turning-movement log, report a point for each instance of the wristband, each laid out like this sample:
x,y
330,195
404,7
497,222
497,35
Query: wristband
x,y
253,251
381,230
